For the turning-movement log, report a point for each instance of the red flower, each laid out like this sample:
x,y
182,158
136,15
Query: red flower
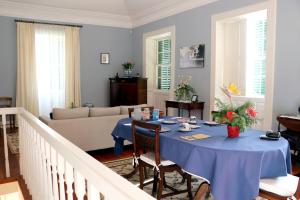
x,y
251,112
229,115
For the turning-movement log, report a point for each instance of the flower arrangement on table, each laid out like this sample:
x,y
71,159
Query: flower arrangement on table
x,y
184,90
128,66
237,118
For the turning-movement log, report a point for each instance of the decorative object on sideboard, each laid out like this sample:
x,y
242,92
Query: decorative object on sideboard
x,y
184,90
104,58
237,117
192,56
194,98
128,67
88,104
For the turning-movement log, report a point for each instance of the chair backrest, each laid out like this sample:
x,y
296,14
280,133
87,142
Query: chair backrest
x,y
5,102
291,124
146,139
130,110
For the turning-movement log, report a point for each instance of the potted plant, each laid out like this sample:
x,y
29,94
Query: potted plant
x,y
184,90
128,66
236,117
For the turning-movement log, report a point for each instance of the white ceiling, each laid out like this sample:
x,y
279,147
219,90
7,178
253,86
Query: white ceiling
x,y
119,13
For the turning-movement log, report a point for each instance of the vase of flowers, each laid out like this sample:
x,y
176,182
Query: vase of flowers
x,y
184,90
237,118
128,67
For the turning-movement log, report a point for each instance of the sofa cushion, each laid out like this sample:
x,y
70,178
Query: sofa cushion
x,y
61,113
104,111
124,109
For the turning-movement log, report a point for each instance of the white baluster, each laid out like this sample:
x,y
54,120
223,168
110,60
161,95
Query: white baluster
x,y
40,168
44,169
79,185
7,171
34,166
54,173
61,171
93,194
21,145
69,180
49,176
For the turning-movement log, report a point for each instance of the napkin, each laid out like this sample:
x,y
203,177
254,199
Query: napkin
x,y
198,136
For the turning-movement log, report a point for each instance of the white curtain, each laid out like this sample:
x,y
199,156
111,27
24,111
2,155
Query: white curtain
x,y
73,94
50,64
26,96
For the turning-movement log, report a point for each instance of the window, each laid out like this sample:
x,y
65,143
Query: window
x,y
50,66
256,54
163,65
259,80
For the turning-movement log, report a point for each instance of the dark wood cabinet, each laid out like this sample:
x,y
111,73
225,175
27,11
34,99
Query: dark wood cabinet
x,y
128,91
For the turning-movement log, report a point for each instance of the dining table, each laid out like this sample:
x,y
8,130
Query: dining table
x,y
233,166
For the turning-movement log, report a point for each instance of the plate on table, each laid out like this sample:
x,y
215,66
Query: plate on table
x,y
169,122
211,123
192,122
194,126
164,129
184,130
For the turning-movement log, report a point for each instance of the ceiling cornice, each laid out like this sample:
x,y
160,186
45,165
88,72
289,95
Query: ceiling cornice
x,y
38,12
47,13
166,9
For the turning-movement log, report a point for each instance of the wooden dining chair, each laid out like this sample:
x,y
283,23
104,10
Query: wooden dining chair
x,y
280,188
146,143
130,110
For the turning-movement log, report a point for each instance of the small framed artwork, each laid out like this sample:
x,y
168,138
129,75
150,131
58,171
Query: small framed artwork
x,y
104,58
194,98
192,56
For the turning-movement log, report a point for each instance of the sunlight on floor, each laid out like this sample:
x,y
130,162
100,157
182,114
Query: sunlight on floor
x,y
10,191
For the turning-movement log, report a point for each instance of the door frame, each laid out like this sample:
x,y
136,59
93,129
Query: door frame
x,y
271,6
171,30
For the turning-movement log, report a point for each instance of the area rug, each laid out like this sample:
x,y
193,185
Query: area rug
x,y
124,166
13,142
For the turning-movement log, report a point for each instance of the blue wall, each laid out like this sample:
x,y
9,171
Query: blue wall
x,y
94,76
93,41
8,57
194,26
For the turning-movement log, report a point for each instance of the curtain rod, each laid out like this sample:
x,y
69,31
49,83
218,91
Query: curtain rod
x,y
48,23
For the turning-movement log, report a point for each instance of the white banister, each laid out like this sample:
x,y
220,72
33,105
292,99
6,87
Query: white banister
x,y
55,169
7,171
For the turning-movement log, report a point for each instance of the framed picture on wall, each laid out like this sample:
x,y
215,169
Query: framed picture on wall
x,y
104,58
192,56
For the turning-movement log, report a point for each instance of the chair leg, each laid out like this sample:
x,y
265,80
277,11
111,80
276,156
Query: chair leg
x,y
189,185
155,180
165,182
141,170
202,190
160,185
145,172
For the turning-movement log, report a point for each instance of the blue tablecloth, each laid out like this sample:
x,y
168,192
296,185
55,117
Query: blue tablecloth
x,y
233,166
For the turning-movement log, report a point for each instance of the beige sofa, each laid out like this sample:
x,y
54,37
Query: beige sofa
x,y
88,128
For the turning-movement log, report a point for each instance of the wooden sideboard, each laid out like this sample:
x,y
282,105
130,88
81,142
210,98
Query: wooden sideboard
x,y
128,91
186,106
